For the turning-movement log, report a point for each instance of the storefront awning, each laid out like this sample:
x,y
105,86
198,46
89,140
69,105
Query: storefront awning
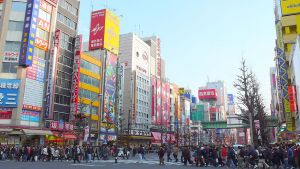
x,y
156,137
63,135
5,130
16,132
37,132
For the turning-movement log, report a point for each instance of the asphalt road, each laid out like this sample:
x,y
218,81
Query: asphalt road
x,y
133,163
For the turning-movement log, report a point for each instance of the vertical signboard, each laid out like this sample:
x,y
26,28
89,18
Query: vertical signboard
x,y
153,100
168,105
51,75
110,89
159,101
76,75
283,75
158,59
292,95
29,33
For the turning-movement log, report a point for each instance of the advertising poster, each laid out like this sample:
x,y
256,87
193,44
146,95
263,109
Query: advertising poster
x,y
96,40
111,32
164,104
153,100
168,105
110,89
9,91
29,32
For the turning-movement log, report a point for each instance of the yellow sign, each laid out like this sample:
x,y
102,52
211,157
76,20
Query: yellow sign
x,y
111,32
181,91
290,7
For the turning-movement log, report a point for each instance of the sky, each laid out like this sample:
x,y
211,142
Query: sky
x,y
201,40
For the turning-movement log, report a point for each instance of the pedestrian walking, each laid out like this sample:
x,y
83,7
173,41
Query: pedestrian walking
x,y
161,154
175,153
169,151
76,153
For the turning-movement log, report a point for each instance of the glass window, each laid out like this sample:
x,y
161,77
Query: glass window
x,y
8,67
65,60
90,66
15,26
89,80
42,34
88,94
39,53
66,42
67,21
12,46
18,6
44,15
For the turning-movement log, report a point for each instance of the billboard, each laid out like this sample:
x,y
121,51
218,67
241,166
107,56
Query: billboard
x,y
153,99
5,114
158,59
9,91
31,116
292,97
33,95
207,94
158,101
29,32
110,89
283,75
76,75
181,91
52,75
104,31
290,7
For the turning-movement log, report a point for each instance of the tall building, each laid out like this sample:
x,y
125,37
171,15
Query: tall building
x,y
287,22
135,54
60,68
27,28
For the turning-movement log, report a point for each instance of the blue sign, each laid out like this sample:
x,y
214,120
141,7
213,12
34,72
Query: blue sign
x,y
31,116
230,98
9,90
29,33
194,99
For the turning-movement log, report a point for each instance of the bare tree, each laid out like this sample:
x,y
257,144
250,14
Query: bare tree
x,y
250,102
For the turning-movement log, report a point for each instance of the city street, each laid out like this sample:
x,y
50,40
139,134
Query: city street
x,y
125,164
149,163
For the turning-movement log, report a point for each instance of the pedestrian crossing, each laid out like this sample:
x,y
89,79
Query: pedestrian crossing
x,y
126,162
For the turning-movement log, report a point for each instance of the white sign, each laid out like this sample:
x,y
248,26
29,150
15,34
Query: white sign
x,y
11,56
33,94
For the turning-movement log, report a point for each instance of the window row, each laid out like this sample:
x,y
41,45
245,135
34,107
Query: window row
x,y
65,61
40,53
88,94
42,34
44,15
66,42
89,80
12,46
64,83
58,116
15,25
67,21
143,80
60,99
68,7
18,6
64,75
9,67
90,66
84,108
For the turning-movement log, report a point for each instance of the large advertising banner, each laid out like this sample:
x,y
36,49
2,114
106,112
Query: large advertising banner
x,y
76,75
29,32
207,94
52,75
164,104
290,7
168,106
9,91
110,89
30,118
105,31
283,75
96,40
158,59
111,32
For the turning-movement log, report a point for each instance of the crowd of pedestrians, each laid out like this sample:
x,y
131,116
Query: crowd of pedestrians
x,y
285,156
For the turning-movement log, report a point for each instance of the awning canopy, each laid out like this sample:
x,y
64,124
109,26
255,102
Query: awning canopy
x,y
16,132
5,130
37,132
156,137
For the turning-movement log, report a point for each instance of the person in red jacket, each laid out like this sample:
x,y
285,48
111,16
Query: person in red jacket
x,y
224,152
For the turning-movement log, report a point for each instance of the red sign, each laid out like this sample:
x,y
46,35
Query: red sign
x,y
43,24
96,40
76,74
54,125
46,6
214,110
40,43
158,59
292,93
207,94
4,114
